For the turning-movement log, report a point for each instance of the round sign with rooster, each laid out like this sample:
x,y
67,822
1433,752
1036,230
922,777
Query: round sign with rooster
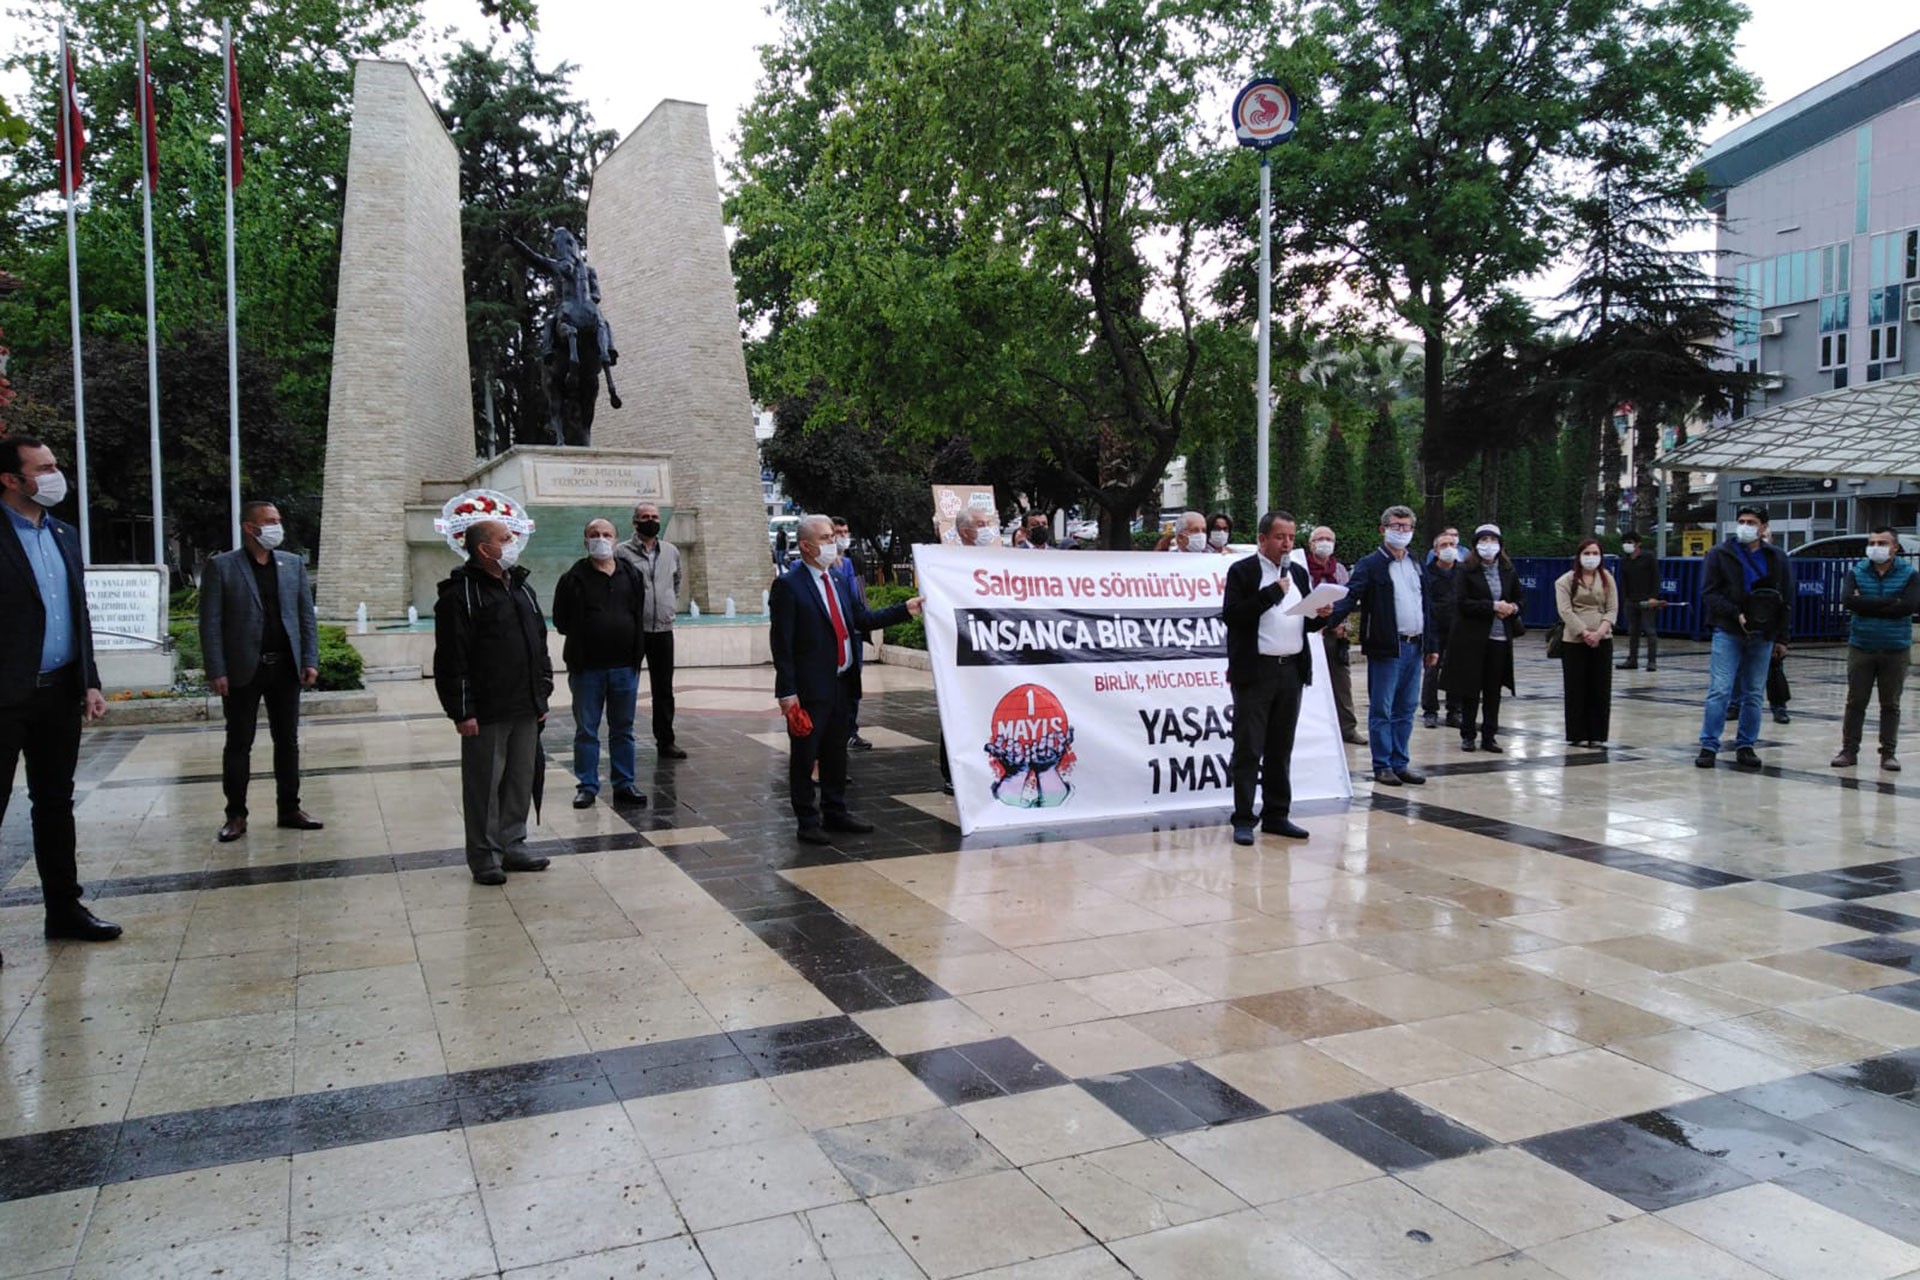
x,y
1264,113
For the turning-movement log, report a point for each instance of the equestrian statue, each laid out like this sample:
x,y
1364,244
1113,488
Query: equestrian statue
x,y
578,340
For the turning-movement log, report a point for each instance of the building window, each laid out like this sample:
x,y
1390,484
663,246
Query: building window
x,y
1836,269
1833,350
1883,343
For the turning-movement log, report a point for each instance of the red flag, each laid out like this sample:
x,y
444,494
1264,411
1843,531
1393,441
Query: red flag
x,y
235,127
70,141
147,119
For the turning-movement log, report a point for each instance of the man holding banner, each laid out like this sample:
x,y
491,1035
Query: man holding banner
x,y
816,669
1267,667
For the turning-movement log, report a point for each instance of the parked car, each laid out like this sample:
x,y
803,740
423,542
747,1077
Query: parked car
x,y
1849,546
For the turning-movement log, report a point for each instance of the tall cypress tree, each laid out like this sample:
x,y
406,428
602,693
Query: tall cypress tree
x,y
1336,496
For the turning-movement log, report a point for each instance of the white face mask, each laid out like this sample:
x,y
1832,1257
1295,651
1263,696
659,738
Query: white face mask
x,y
1323,548
1879,555
1747,532
1218,538
510,553
271,535
1589,562
1488,550
600,548
842,543
1447,555
827,553
1629,548
51,490
1196,542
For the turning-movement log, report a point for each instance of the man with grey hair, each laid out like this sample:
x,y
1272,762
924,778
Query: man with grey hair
x,y
659,564
1397,637
1192,535
974,528
814,624
491,670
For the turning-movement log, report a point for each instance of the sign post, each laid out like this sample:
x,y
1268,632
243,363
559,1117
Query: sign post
x,y
1264,115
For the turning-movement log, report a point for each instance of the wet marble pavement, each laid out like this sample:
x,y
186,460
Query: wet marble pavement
x,y
1560,1013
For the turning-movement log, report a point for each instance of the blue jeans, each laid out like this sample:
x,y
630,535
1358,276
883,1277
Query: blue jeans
x,y
1393,695
613,690
1737,673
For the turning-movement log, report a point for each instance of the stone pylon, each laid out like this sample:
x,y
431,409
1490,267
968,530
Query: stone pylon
x,y
655,236
401,408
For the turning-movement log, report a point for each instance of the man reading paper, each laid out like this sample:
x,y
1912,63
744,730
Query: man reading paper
x,y
1267,667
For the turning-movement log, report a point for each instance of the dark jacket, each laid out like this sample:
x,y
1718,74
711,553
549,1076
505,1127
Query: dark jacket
x,y
1882,605
233,623
1639,578
1724,592
490,647
1441,586
1473,624
583,604
801,634
1370,589
1246,602
23,618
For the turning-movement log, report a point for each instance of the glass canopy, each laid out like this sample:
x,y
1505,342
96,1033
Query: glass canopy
x,y
1867,430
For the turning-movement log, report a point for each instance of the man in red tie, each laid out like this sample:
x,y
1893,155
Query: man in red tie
x,y
816,623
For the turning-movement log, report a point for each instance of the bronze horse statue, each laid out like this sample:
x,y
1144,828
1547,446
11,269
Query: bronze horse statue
x,y
578,341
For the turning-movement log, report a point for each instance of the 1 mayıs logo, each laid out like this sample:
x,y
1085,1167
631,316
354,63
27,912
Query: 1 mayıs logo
x,y
1031,749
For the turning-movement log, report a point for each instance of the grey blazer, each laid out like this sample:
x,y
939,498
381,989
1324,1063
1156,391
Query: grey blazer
x,y
233,623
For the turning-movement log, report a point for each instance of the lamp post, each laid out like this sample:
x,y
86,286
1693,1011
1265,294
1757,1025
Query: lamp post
x,y
1264,115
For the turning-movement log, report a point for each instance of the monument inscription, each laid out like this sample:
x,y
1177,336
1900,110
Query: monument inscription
x,y
558,480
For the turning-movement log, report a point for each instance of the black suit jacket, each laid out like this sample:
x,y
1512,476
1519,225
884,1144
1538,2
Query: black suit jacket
x,y
805,653
1246,603
23,615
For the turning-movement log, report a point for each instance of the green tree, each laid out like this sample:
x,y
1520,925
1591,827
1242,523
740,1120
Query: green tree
x,y
527,149
1435,167
1336,495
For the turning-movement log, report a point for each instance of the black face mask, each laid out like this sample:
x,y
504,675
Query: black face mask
x,y
1038,535
647,528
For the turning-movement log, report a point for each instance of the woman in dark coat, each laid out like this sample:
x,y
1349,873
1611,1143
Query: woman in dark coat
x,y
1486,622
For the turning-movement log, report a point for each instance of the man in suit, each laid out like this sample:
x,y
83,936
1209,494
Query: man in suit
x,y
48,682
848,567
261,641
816,671
1386,585
1267,666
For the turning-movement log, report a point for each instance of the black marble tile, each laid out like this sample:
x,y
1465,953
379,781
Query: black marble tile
x,y
38,1164
1762,1146
1884,1127
851,992
1204,1094
1645,1170
1010,1064
349,1128
904,984
663,1053
951,1077
534,1100
675,1077
1363,1138
1832,885
1419,1127
1904,994
812,1057
1141,1105
1796,1097
1866,1189
525,1075
1859,915
1896,1074
239,1117
319,1108
791,1035
1892,952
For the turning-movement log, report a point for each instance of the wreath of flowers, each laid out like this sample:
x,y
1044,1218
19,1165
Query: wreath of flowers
x,y
474,506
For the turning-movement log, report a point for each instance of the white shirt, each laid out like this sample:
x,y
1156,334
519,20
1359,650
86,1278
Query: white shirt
x,y
846,650
1408,616
1281,634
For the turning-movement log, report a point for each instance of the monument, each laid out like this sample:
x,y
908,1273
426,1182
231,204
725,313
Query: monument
x,y
400,437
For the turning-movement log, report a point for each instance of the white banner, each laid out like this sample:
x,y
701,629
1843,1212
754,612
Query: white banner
x,y
1079,685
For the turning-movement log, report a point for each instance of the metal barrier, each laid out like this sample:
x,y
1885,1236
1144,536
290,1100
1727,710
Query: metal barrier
x,y
1817,614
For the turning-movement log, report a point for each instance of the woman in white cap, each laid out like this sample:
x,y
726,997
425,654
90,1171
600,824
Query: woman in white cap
x,y
1486,622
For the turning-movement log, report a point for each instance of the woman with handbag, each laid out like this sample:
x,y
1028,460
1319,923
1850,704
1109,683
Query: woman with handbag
x,y
1589,605
1486,622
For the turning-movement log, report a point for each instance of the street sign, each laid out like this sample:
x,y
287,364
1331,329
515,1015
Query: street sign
x,y
1264,113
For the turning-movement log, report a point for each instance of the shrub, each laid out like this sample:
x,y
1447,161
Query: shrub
x,y
186,645
911,634
183,602
340,662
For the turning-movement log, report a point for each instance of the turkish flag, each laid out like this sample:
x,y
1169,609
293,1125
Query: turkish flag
x,y
70,141
235,127
147,125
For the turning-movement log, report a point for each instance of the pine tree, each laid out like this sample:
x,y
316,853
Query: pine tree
x,y
1383,468
1336,498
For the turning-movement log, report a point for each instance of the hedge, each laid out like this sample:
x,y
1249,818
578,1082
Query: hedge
x,y
911,634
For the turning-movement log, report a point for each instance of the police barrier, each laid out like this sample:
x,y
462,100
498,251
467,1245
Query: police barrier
x,y
1817,614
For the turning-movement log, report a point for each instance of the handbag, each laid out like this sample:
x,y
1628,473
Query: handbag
x,y
1556,639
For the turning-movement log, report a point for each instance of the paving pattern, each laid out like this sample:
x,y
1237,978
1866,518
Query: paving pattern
x,y
1562,1013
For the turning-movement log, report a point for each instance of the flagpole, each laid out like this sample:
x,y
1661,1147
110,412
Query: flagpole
x,y
233,325
148,137
69,179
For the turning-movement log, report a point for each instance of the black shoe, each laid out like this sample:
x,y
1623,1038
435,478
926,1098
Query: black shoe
x,y
670,752
1746,758
233,830
582,798
1626,666
527,864
1780,716
1431,720
1243,835
1412,777
1493,745
1385,778
1451,720
300,820
813,835
1356,739
946,788
1284,828
1468,744
1651,668
858,743
630,795
848,823
76,923
1706,759
491,878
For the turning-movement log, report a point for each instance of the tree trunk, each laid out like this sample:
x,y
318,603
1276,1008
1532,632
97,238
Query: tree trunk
x,y
1589,463
1646,499
1489,512
1434,471
1611,464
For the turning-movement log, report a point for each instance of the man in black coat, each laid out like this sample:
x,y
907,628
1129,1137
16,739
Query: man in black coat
x,y
493,675
816,670
1640,593
600,605
1442,580
1747,591
1268,664
48,681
